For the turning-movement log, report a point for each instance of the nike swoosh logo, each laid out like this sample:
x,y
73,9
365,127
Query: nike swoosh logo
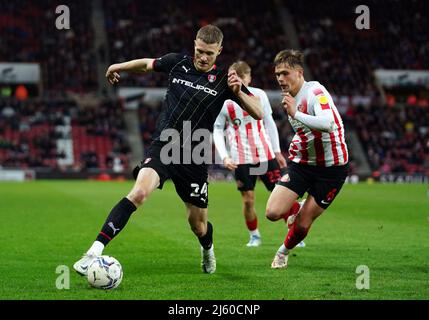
x,y
324,202
84,268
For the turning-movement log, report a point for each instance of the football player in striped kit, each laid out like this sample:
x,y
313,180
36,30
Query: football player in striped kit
x,y
318,152
254,150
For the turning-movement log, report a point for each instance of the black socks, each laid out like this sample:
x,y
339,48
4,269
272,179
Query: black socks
x,y
206,241
116,220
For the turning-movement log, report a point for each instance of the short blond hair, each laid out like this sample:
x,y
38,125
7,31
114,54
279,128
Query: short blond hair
x,y
291,57
210,34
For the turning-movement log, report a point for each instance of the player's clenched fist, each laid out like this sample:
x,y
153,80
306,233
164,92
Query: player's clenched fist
x,y
234,81
289,104
112,74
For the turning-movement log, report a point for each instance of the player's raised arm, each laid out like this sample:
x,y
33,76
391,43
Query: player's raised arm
x,y
248,102
136,66
323,120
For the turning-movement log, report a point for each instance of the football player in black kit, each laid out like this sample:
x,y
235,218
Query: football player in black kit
x,y
197,89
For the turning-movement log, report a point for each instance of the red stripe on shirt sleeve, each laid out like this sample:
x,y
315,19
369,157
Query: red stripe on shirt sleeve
x,y
264,142
232,115
251,139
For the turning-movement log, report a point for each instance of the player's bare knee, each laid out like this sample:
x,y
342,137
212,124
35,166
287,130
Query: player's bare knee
x,y
271,214
248,199
199,230
249,203
138,196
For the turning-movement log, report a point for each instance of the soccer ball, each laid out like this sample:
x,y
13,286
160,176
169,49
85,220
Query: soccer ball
x,y
105,272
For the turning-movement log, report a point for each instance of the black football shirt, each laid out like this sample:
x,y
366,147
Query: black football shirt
x,y
193,97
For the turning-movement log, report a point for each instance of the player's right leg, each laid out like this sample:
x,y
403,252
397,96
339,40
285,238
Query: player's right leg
x,y
246,185
248,198
280,201
203,229
297,231
283,199
147,181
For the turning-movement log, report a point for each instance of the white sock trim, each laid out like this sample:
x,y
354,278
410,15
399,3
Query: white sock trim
x,y
283,249
255,233
96,248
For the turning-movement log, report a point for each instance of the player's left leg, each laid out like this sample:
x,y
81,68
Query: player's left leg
x,y
248,198
246,185
191,185
203,229
297,231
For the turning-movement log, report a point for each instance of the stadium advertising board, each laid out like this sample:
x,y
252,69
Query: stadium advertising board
x,y
397,78
15,73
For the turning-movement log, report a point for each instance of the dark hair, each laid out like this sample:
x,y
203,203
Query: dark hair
x,y
210,34
291,57
241,67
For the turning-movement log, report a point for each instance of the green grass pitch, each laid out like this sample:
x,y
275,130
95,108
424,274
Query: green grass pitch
x,y
46,224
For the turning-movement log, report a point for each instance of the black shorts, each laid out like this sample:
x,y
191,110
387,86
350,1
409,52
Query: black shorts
x,y
270,174
323,183
190,180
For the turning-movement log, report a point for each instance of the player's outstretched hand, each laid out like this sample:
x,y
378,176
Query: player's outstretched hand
x,y
229,164
289,104
234,81
112,74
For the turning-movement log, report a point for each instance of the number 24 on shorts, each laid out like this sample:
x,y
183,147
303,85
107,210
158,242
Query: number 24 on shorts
x,y
197,192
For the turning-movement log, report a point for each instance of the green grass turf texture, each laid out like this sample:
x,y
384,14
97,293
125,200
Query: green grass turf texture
x,y
45,224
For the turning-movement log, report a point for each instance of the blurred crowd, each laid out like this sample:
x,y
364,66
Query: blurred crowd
x,y
31,133
396,140
339,55
344,57
28,34
138,29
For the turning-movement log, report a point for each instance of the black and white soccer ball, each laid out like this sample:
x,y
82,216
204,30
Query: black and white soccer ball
x,y
105,272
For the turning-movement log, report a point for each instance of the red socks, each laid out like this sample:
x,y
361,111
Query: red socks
x,y
293,210
252,225
295,236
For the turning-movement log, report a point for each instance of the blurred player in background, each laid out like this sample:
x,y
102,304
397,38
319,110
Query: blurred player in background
x,y
196,92
318,152
253,144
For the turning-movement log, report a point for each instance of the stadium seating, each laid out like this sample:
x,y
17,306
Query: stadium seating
x,y
29,135
338,55
137,29
28,34
396,139
344,57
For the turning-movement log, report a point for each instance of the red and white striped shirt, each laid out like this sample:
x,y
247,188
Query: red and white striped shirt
x,y
319,131
247,137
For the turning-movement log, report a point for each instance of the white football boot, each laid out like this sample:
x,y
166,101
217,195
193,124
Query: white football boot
x,y
81,266
254,241
280,261
208,260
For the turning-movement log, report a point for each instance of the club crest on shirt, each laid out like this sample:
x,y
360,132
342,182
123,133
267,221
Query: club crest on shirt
x,y
211,78
237,122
